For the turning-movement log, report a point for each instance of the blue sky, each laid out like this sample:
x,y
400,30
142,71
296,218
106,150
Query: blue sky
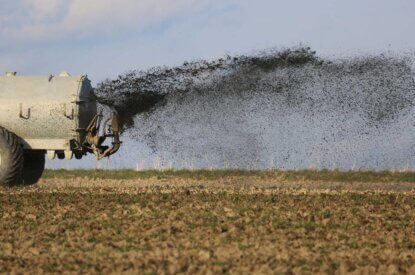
x,y
103,38
106,37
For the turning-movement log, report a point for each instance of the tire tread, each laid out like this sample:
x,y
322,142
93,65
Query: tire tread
x,y
14,172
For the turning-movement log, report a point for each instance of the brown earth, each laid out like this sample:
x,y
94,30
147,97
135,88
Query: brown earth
x,y
231,225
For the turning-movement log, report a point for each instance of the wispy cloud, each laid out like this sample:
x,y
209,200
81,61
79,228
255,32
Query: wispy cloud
x,y
106,37
45,20
40,10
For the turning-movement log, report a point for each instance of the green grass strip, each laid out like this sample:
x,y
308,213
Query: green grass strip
x,y
297,175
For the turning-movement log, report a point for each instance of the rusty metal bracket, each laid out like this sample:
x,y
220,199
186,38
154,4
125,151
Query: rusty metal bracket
x,y
94,141
71,116
21,112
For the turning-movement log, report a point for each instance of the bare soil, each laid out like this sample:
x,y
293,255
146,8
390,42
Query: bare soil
x,y
228,225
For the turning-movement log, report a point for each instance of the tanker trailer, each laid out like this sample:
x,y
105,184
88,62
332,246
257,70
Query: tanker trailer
x,y
51,115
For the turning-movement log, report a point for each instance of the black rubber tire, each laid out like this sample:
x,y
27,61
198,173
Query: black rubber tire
x,y
34,165
11,153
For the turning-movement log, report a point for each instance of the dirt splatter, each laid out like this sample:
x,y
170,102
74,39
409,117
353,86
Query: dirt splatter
x,y
138,92
286,108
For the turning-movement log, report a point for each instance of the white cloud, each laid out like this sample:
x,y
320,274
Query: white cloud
x,y
44,20
104,13
42,9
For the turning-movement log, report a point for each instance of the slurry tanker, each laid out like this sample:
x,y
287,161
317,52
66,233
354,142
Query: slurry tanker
x,y
54,116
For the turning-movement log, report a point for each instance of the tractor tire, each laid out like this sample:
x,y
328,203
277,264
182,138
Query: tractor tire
x,y
11,158
33,167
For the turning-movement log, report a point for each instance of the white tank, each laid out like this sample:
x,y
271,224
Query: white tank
x,y
53,115
47,112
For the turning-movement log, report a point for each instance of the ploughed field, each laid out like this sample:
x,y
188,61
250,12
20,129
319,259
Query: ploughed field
x,y
217,221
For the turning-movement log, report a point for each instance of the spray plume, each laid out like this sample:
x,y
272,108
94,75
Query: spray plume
x,y
277,108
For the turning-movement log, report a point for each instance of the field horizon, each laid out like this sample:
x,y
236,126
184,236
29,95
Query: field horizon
x,y
325,175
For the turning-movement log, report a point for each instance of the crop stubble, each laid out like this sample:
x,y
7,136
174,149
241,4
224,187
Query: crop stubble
x,y
228,225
